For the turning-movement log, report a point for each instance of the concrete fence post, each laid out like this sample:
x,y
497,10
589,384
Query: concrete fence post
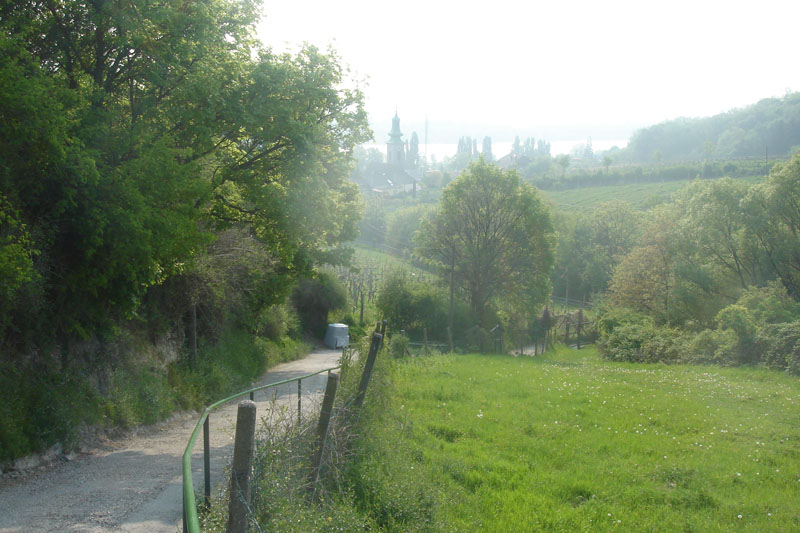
x,y
239,503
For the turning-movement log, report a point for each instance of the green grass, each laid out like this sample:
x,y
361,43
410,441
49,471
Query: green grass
x,y
568,442
640,195
382,262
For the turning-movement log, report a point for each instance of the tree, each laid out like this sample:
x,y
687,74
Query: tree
x,y
487,149
563,161
644,280
607,162
772,211
712,228
591,245
135,132
495,235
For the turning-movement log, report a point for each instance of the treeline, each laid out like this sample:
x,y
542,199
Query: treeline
x,y
771,126
545,178
713,276
162,177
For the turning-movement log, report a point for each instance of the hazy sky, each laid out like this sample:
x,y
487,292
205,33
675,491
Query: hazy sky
x,y
534,65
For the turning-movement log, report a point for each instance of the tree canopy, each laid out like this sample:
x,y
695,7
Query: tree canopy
x,y
134,132
494,233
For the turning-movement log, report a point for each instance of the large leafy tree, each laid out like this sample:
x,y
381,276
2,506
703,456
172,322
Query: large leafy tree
x,y
134,131
493,234
772,215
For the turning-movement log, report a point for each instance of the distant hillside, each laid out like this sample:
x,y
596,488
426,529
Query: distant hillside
x,y
771,125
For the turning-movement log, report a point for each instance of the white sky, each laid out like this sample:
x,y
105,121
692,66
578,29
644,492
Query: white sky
x,y
532,65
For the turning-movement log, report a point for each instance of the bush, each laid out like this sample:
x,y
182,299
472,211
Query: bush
x,y
314,298
40,407
399,345
770,304
709,346
278,321
778,346
411,305
641,343
611,318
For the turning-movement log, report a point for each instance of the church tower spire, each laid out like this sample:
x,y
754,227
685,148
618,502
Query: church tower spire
x,y
395,147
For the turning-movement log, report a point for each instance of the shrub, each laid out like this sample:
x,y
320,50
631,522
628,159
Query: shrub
x,y
612,317
641,343
770,304
778,346
399,345
737,318
314,298
277,321
412,305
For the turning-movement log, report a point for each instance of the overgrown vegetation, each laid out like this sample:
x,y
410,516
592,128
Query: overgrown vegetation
x,y
284,496
42,405
166,182
712,277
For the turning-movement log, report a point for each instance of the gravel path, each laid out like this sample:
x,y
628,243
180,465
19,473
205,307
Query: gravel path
x,y
135,485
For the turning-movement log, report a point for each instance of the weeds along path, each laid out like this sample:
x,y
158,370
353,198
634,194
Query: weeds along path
x,y
135,485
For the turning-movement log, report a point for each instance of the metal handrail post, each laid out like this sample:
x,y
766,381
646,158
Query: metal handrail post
x,y
207,461
190,520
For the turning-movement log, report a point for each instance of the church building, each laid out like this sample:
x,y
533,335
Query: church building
x,y
402,169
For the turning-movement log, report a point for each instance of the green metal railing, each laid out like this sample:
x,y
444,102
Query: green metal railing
x,y
190,520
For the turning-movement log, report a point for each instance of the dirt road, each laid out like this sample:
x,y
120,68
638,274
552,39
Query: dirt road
x,y
135,485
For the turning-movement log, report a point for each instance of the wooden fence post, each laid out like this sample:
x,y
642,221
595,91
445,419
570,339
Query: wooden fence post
x,y
425,338
324,423
580,320
450,338
239,493
377,339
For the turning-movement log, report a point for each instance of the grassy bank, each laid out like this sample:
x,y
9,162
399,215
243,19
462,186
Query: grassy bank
x,y
569,442
43,405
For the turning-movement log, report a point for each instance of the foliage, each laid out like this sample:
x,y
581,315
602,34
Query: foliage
x,y
158,163
772,124
773,222
315,297
133,132
43,405
411,305
494,234
402,226
760,328
644,279
641,343
591,245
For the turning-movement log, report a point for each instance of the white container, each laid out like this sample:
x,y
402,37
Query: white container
x,y
337,336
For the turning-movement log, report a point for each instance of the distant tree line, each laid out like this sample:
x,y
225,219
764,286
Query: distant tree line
x,y
769,127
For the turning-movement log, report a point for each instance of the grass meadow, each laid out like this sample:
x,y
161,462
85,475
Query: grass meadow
x,y
569,442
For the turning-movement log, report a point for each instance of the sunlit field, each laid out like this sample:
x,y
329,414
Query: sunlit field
x,y
570,442
639,195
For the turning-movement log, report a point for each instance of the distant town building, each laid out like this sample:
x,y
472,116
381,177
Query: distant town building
x,y
402,169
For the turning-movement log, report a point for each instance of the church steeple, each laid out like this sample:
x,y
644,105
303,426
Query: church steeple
x,y
395,147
